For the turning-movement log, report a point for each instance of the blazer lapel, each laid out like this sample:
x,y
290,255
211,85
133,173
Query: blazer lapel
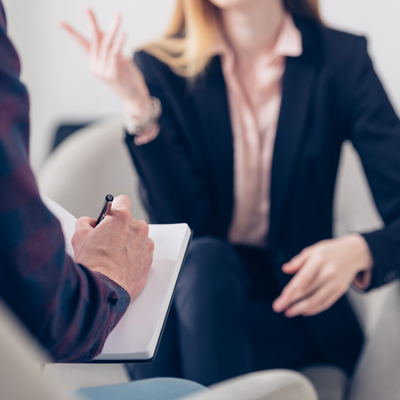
x,y
212,106
296,97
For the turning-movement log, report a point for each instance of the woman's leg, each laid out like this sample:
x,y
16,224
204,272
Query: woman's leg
x,y
210,302
277,341
151,389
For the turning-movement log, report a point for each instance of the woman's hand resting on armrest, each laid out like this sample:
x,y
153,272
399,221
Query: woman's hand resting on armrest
x,y
323,274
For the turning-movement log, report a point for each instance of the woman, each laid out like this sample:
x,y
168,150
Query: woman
x,y
257,97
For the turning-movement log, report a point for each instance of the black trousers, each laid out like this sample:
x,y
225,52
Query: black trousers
x,y
222,324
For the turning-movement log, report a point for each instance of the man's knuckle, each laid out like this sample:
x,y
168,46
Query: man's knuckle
x,y
77,236
125,213
123,198
151,245
122,214
143,227
75,240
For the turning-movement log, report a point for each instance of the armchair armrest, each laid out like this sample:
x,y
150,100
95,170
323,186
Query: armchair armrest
x,y
377,372
264,385
20,359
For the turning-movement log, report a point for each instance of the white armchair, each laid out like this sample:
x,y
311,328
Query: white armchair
x,y
21,377
94,162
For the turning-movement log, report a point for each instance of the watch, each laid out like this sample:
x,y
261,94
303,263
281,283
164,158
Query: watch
x,y
135,127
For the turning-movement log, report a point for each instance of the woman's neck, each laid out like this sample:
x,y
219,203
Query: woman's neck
x,y
252,27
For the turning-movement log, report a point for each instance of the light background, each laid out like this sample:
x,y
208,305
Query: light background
x,y
62,89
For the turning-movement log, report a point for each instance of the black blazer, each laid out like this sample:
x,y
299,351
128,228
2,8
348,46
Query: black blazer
x,y
330,94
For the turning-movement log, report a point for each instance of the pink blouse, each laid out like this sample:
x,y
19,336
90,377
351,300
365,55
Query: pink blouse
x,y
254,102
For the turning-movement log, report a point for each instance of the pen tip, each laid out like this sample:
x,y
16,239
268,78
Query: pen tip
x,y
109,197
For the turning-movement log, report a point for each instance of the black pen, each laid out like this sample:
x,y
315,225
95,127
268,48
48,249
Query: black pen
x,y
106,208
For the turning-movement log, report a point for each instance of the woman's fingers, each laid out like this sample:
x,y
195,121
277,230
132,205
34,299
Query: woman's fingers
x,y
324,273
301,285
108,42
96,37
296,262
119,42
81,40
108,63
93,26
115,58
317,302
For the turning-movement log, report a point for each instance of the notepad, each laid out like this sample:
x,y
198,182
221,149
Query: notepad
x,y
136,337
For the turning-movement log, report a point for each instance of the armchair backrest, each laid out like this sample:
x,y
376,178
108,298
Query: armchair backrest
x,y
88,165
355,211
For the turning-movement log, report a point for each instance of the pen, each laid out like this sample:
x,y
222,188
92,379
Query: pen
x,y
106,208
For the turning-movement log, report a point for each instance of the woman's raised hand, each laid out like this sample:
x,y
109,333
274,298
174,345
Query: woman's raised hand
x,y
108,63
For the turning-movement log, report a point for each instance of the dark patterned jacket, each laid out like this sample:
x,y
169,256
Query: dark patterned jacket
x,y
69,309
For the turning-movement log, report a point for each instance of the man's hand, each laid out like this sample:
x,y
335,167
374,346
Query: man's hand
x,y
119,247
323,274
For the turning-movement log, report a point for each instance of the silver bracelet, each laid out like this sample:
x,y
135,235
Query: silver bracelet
x,y
135,127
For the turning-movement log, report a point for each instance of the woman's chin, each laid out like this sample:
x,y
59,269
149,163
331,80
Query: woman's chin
x,y
224,4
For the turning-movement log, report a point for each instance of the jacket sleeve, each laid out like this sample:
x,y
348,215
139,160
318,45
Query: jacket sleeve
x,y
375,132
69,309
173,182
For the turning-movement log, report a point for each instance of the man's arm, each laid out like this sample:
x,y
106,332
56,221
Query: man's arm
x,y
70,308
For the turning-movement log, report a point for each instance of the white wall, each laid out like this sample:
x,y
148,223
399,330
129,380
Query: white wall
x,y
62,89
56,70
379,21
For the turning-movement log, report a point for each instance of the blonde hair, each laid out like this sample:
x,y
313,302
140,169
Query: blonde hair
x,y
186,44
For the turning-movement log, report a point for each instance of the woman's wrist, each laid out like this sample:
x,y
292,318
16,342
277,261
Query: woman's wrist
x,y
143,128
139,108
363,261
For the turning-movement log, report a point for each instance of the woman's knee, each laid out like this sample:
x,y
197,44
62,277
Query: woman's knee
x,y
212,266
